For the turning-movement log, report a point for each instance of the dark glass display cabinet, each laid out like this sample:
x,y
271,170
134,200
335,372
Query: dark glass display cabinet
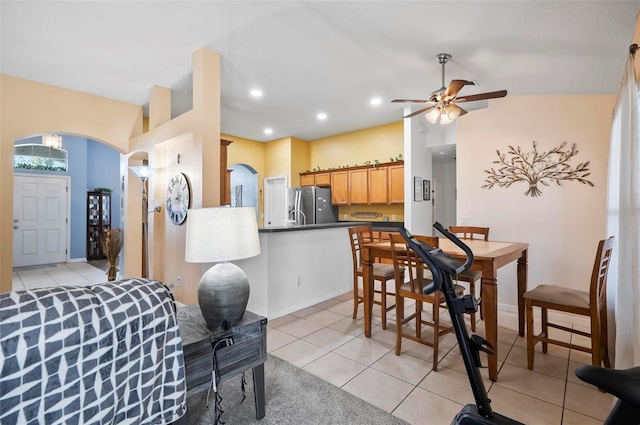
x,y
98,220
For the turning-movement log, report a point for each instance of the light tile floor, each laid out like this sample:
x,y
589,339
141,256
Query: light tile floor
x,y
80,273
333,347
325,341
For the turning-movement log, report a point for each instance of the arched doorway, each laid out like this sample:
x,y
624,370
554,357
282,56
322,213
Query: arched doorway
x,y
90,165
244,186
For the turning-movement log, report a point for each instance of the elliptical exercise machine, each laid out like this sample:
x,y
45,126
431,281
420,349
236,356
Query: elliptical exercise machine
x,y
623,384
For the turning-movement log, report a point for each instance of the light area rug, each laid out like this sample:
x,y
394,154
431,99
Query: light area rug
x,y
292,396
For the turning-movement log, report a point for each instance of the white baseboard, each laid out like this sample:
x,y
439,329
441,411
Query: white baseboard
x,y
77,260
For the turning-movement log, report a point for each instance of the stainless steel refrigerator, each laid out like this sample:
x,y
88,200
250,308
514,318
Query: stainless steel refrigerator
x,y
310,205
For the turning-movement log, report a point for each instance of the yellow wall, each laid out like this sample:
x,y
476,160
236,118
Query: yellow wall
x,y
291,156
29,108
380,143
386,212
277,158
355,148
300,151
249,152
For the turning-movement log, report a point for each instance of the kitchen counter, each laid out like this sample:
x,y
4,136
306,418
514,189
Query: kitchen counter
x,y
301,266
274,229
298,267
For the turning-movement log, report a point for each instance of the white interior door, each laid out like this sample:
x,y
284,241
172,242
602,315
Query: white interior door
x,y
275,201
40,224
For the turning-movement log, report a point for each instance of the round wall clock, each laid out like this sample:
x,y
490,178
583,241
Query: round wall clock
x,y
178,198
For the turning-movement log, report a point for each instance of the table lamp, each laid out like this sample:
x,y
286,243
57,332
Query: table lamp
x,y
219,235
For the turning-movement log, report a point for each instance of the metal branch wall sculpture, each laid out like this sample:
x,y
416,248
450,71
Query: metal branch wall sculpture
x,y
537,168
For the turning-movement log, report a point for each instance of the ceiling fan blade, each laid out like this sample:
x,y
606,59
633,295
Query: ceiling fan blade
x,y
409,101
419,111
482,96
462,111
454,87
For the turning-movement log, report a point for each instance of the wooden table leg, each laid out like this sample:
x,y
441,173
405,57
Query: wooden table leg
x,y
522,288
367,289
258,390
490,307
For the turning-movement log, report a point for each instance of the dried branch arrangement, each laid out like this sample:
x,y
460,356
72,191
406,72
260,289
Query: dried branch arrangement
x,y
537,168
111,245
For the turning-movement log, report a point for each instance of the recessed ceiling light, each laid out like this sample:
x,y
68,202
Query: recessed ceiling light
x,y
322,116
375,101
268,131
256,93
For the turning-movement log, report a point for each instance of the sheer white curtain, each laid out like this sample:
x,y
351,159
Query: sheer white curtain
x,y
623,221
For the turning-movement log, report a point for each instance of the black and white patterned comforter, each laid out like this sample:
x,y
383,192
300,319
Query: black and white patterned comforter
x,y
104,354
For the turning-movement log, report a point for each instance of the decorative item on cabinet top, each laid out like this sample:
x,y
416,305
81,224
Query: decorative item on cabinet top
x,y
367,164
319,173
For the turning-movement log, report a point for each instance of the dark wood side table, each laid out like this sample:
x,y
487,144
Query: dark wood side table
x,y
249,350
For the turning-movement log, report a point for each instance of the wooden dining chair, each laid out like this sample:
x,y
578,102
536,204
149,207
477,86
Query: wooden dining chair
x,y
592,303
417,276
472,276
382,273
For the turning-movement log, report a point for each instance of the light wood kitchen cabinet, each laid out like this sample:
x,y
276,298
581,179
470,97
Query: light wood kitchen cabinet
x,y
358,186
225,175
307,180
378,185
323,179
319,179
396,184
339,188
225,196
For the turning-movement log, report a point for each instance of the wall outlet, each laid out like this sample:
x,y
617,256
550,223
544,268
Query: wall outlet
x,y
299,280
393,217
344,216
179,281
464,221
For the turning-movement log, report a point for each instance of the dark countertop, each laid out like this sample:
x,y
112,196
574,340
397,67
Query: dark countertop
x,y
376,225
277,229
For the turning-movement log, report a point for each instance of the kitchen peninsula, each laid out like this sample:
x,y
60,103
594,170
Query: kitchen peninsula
x,y
300,266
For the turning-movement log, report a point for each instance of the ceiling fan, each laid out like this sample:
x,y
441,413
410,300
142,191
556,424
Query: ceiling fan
x,y
443,102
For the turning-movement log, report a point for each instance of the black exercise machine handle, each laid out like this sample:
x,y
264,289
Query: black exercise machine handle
x,y
420,248
449,266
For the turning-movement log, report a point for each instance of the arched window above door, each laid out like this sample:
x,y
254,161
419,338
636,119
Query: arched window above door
x,y
39,157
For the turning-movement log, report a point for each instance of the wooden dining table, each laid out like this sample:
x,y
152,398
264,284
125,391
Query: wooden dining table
x,y
488,257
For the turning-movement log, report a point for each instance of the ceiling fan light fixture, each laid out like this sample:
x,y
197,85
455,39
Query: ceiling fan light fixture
x,y
444,119
452,112
432,115
446,98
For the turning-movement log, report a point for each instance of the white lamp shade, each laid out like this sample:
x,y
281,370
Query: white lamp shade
x,y
221,234
142,171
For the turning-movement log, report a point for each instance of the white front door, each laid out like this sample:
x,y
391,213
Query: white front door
x,y
39,219
275,201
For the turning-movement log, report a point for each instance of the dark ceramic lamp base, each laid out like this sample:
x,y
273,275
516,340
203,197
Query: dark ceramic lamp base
x,y
223,294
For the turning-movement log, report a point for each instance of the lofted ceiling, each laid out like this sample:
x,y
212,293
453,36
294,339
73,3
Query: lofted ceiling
x,y
311,57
